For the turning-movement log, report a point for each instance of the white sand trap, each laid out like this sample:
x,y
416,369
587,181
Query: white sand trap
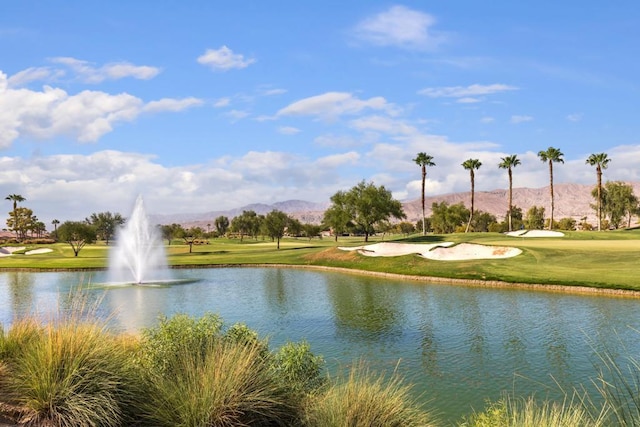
x,y
395,249
444,251
38,251
8,250
469,251
535,233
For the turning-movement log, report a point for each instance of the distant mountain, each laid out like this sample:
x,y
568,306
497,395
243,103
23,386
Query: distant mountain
x,y
571,200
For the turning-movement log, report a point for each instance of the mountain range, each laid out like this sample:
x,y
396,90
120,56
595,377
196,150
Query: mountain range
x,y
571,200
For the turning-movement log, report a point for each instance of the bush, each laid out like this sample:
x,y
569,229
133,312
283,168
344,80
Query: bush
x,y
232,385
71,374
366,399
298,368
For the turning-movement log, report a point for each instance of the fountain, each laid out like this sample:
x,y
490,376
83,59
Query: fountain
x,y
139,256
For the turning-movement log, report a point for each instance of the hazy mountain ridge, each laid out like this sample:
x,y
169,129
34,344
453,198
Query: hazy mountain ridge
x,y
571,200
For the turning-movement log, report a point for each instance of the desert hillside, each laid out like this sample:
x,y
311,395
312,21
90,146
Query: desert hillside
x,y
571,200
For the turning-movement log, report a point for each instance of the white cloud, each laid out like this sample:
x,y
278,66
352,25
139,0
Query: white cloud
x,y
288,130
468,100
335,160
224,59
112,71
85,116
29,75
236,115
521,119
465,91
222,102
399,26
330,105
172,105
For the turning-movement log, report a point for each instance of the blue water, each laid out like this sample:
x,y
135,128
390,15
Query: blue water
x,y
459,345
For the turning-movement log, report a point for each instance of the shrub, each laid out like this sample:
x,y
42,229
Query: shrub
x,y
298,368
72,374
231,385
366,399
514,412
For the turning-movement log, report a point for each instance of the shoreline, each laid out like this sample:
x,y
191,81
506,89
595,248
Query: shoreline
x,y
477,283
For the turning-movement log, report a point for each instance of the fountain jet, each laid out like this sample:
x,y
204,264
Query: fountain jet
x,y
139,256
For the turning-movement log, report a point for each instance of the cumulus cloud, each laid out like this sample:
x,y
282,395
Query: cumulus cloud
x,y
466,92
31,74
88,73
331,105
224,59
401,27
85,116
383,124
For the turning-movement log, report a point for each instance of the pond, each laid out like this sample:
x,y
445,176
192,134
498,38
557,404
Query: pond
x,y
459,345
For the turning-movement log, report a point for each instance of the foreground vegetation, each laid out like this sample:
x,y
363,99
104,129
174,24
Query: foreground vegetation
x,y
199,372
580,258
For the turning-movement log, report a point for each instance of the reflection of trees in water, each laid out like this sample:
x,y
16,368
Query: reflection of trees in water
x,y
429,345
367,308
21,291
276,288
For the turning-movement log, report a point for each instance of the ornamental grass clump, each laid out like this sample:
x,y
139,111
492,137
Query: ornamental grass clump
x,y
527,412
231,385
73,373
366,399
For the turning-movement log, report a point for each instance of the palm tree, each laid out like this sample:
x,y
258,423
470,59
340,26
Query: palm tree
x,y
15,198
509,163
600,161
470,165
423,160
55,223
551,155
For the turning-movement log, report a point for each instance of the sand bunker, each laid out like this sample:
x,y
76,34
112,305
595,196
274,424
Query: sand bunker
x,y
444,251
535,233
38,251
8,250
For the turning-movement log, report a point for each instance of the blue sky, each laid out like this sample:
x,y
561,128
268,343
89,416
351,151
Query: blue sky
x,y
202,106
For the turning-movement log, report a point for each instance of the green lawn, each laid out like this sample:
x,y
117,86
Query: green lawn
x,y
595,259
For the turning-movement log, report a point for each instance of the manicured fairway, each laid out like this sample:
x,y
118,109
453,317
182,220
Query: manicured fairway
x,y
593,259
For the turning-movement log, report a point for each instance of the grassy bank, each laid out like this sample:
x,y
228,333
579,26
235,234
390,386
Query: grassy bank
x,y
593,259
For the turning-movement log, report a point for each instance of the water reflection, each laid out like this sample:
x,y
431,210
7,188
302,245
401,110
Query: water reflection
x,y
459,345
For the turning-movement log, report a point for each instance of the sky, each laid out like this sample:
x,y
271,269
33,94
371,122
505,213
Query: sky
x,y
203,106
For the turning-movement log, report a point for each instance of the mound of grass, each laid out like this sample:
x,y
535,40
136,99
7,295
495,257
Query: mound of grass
x,y
365,398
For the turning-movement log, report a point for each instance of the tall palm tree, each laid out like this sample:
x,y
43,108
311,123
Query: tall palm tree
x,y
471,165
15,198
600,161
509,163
423,160
551,155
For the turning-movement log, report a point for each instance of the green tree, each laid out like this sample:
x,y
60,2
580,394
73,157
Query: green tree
x,y
191,235
618,202
534,220
407,228
15,198
77,234
21,220
171,231
509,163
371,205
423,160
600,161
246,224
338,216
275,224
294,227
471,165
482,221
311,230
106,224
551,155
55,223
222,225
445,218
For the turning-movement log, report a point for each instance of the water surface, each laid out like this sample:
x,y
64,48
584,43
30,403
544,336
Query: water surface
x,y
459,345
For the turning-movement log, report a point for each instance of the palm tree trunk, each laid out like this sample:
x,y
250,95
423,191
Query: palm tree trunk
x,y
424,176
599,173
510,197
551,189
472,200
